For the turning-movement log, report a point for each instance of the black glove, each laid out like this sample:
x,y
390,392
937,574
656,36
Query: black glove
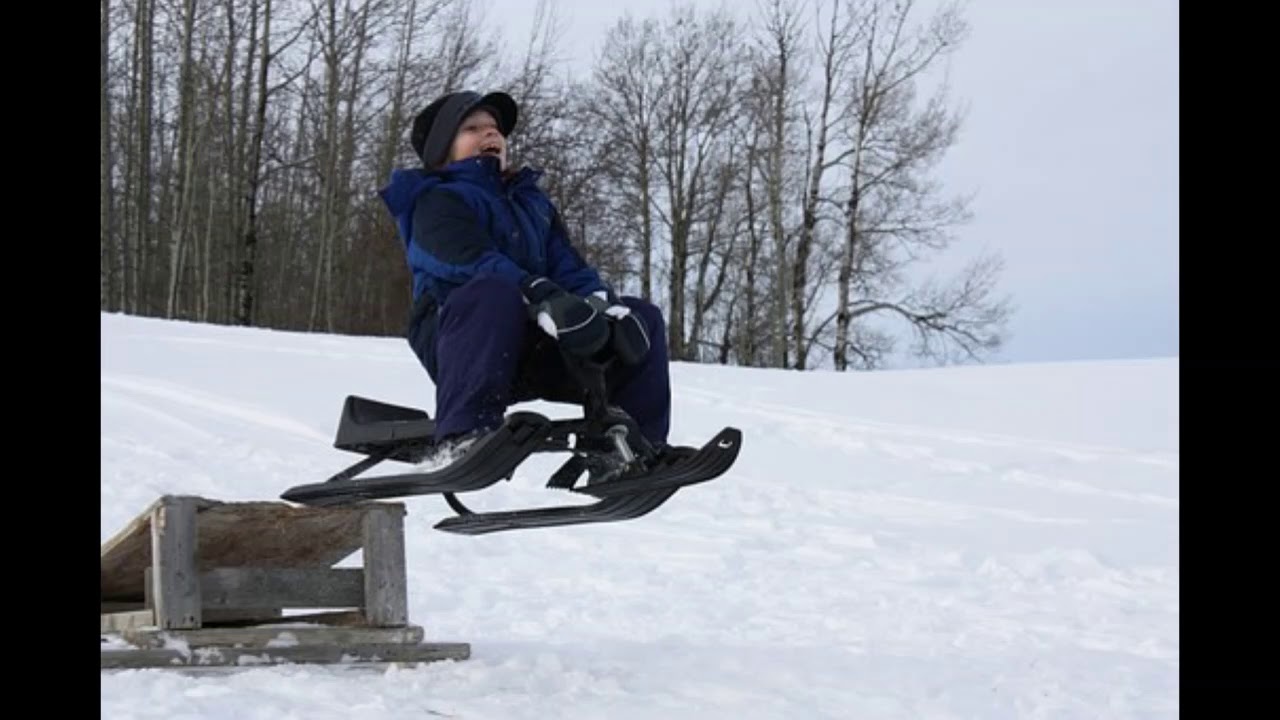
x,y
628,337
579,328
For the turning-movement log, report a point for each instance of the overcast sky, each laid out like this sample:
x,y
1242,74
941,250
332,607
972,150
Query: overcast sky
x,y
1071,144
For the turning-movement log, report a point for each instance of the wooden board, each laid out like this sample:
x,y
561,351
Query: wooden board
x,y
237,534
215,656
276,635
386,596
121,621
136,615
242,588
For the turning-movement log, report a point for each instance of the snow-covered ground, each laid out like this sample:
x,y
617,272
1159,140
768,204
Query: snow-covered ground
x,y
973,542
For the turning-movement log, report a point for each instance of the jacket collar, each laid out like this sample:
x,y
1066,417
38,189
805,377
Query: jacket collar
x,y
407,184
484,170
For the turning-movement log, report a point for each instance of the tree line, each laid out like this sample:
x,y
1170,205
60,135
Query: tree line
x,y
765,179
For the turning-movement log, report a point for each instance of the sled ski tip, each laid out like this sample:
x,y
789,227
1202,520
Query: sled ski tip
x,y
708,463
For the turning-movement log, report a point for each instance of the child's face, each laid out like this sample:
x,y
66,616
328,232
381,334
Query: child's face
x,y
478,135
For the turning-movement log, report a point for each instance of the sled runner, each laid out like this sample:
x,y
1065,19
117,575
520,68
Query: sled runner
x,y
627,476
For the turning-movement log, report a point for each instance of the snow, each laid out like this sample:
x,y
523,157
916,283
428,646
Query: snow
x,y
988,541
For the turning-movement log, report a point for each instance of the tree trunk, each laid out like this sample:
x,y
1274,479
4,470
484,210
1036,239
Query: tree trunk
x,y
185,147
383,262
107,250
245,278
833,60
327,159
233,168
773,189
704,297
337,279
840,356
207,263
748,346
646,215
142,187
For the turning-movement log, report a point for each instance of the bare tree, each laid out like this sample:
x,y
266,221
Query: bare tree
x,y
748,332
698,61
628,94
211,242
250,160
344,39
332,34
532,84
241,186
892,214
715,253
185,147
775,89
833,55
139,178
383,275
461,48
105,199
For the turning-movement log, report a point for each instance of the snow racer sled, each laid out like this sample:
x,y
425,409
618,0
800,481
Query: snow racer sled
x,y
627,476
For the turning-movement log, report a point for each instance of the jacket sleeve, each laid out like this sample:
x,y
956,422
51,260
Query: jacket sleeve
x,y
567,268
457,247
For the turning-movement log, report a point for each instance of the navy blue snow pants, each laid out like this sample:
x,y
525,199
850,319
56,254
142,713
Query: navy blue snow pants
x,y
485,354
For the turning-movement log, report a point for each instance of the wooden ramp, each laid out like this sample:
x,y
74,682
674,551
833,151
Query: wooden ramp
x,y
194,581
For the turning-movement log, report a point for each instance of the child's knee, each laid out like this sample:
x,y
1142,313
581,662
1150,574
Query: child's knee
x,y
650,315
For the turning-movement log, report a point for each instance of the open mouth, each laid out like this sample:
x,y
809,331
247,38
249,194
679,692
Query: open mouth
x,y
491,149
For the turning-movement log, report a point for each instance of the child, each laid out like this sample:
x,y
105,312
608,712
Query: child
x,y
499,291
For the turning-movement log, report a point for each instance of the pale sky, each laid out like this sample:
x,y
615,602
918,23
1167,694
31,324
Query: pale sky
x,y
1071,144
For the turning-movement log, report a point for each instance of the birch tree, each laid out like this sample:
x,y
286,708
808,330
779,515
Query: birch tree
x,y
774,73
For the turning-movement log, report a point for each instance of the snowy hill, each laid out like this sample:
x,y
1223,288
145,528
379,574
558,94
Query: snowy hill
x,y
975,542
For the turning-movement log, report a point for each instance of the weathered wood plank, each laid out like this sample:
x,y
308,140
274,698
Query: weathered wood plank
x,y
117,622
344,618
175,584
328,654
274,636
221,616
282,588
127,553
132,615
386,601
238,534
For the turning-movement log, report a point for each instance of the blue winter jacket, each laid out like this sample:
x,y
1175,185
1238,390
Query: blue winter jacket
x,y
466,220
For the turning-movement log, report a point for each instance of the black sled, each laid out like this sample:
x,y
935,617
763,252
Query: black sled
x,y
627,476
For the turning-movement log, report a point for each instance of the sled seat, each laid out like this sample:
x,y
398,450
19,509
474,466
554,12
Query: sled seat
x,y
372,427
